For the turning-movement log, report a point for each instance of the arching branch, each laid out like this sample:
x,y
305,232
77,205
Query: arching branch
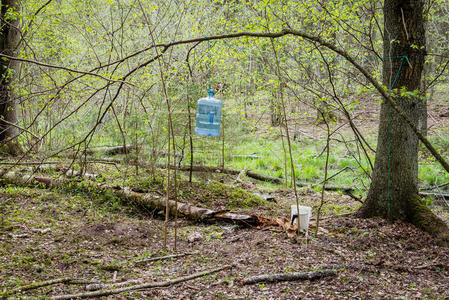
x,y
280,34
335,49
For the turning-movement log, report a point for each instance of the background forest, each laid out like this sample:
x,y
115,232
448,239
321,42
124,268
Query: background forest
x,y
107,90
89,78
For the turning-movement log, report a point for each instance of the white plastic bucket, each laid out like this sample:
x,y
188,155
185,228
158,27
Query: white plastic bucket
x,y
303,214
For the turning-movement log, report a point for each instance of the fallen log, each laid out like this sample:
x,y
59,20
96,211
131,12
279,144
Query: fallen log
x,y
436,195
102,286
441,199
109,150
257,176
114,150
272,278
157,202
75,173
152,201
195,168
265,178
189,211
36,285
249,156
434,187
433,265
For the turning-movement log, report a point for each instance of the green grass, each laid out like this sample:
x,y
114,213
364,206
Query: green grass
x,y
431,173
309,166
308,159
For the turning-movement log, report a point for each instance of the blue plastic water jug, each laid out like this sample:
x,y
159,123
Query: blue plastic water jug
x,y
208,116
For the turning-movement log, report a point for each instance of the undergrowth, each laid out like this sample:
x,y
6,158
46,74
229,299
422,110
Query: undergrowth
x,y
265,155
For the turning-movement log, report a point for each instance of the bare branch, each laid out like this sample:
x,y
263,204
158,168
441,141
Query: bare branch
x,y
63,68
141,286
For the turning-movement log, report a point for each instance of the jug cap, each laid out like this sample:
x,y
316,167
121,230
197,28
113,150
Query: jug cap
x,y
211,93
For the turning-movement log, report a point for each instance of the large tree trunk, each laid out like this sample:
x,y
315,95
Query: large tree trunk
x,y
9,40
393,191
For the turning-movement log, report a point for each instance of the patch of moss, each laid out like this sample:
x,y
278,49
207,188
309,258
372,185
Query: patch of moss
x,y
111,267
235,197
155,182
422,217
50,197
115,241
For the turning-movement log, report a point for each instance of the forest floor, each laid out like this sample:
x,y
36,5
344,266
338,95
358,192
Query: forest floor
x,y
51,233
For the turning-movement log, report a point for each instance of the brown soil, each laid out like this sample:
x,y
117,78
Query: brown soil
x,y
93,241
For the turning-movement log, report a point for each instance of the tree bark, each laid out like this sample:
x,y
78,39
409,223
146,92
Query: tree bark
x,y
9,40
393,191
272,278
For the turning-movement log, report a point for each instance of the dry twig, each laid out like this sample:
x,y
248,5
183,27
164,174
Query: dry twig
x,y
271,278
162,258
141,286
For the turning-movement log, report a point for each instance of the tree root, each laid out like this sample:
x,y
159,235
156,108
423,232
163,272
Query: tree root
x,y
422,217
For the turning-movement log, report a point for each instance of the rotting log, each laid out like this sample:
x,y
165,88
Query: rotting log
x,y
272,278
265,178
156,202
249,156
112,150
187,210
146,200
